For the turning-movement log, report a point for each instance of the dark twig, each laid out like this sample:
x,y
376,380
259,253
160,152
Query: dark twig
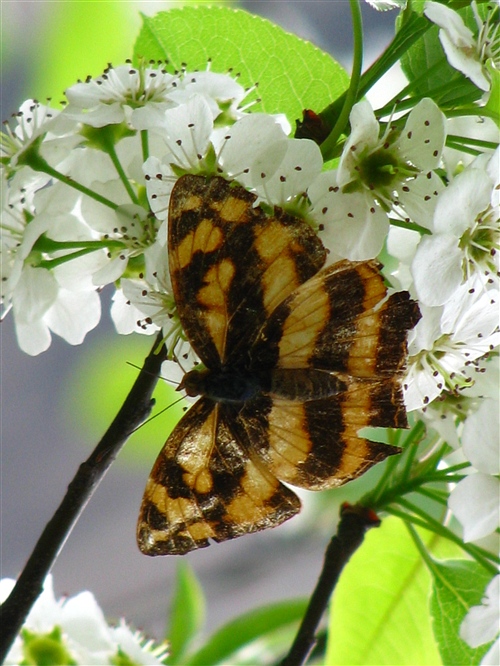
x,y
134,410
354,521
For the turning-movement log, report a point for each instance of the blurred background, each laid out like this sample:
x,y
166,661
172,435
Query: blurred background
x,y
56,406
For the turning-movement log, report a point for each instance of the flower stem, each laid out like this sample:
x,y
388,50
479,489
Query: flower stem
x,y
355,520
122,174
134,410
32,158
327,147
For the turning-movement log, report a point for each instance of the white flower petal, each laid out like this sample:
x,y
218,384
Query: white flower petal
x,y
236,152
449,20
353,226
437,269
461,202
424,135
128,643
475,502
492,657
74,314
460,58
285,169
481,437
35,293
187,131
83,620
419,197
364,136
480,625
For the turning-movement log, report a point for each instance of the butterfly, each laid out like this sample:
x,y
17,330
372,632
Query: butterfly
x,y
295,357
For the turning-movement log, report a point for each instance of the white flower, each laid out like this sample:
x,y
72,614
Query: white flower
x,y
480,625
384,5
466,238
81,635
446,343
284,170
122,94
475,502
469,127
41,305
469,419
33,121
481,437
395,169
467,52
185,130
221,92
351,226
236,153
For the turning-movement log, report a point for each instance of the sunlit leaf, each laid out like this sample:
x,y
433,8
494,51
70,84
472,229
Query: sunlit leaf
x,y
458,585
380,608
292,74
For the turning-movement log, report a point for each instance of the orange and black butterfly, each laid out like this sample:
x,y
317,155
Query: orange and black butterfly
x,y
296,359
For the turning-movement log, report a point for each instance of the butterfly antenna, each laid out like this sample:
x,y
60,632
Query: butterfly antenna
x,y
151,418
165,379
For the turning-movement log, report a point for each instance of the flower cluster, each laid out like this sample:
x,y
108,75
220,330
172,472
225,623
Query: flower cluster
x,y
86,192
74,631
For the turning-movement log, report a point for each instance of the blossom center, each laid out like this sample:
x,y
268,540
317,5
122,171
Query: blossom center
x,y
379,169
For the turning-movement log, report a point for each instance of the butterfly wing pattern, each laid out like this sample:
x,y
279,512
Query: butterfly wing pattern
x,y
296,360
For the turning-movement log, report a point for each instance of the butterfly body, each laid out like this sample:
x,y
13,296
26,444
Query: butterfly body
x,y
297,358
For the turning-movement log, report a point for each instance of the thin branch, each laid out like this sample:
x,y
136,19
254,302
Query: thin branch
x,y
134,410
354,521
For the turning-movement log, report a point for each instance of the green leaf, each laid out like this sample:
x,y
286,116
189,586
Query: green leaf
x,y
379,613
427,54
187,613
458,585
246,628
292,74
492,106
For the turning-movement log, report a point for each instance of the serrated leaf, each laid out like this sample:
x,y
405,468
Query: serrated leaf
x,y
458,585
292,74
187,613
379,612
246,628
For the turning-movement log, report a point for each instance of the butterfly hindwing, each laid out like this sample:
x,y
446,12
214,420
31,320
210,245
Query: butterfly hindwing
x,y
207,484
337,347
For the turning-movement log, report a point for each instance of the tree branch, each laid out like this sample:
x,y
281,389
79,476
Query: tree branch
x,y
354,521
134,410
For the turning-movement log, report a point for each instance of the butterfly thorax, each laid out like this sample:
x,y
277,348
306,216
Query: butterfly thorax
x,y
221,385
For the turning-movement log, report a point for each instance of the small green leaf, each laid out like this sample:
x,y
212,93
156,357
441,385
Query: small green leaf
x,y
458,585
380,610
187,614
246,628
427,57
492,106
292,74
427,54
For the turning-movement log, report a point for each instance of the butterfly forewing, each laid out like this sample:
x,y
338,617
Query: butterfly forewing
x,y
231,264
